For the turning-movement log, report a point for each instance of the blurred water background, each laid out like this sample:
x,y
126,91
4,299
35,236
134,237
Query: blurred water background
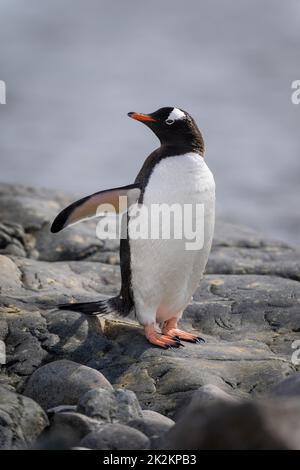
x,y
74,68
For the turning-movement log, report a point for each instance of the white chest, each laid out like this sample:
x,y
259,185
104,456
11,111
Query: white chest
x,y
184,178
164,273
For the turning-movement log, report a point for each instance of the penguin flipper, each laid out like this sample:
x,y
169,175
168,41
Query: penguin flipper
x,y
111,200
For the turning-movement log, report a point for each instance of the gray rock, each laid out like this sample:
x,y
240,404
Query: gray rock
x,y
21,420
240,250
244,426
247,308
79,448
66,430
150,414
26,338
165,381
110,406
208,395
152,424
287,388
116,437
61,409
158,423
12,239
62,383
151,427
35,209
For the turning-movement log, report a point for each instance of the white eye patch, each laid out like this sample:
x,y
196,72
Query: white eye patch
x,y
176,114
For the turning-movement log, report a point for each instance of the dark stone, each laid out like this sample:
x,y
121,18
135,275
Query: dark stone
x,y
110,406
66,430
238,426
63,383
116,437
21,420
151,427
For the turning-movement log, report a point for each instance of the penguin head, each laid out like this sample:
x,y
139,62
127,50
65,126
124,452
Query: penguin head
x,y
171,126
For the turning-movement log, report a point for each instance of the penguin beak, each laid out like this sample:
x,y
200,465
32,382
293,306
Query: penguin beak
x,y
141,117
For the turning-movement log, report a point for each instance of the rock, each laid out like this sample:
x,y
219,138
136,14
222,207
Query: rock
x,y
165,382
35,209
152,424
79,448
208,395
21,420
246,307
239,250
245,426
61,409
26,338
74,336
150,414
66,430
287,388
151,427
12,239
63,383
110,406
203,397
116,437
10,275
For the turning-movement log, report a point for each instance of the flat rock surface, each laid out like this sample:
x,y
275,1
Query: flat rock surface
x,y
247,308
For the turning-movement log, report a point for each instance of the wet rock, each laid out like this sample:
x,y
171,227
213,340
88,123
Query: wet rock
x,y
116,437
21,420
63,383
110,406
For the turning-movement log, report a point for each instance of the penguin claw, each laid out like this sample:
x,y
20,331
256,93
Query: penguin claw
x,y
180,335
178,342
200,340
161,340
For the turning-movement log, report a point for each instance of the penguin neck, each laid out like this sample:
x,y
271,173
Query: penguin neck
x,y
180,147
193,142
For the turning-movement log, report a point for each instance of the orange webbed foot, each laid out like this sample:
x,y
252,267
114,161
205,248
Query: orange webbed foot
x,y
161,340
183,335
170,329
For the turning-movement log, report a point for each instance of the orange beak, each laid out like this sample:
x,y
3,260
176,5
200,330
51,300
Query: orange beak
x,y
141,117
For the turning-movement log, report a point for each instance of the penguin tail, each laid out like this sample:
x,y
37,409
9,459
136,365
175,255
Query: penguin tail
x,y
101,307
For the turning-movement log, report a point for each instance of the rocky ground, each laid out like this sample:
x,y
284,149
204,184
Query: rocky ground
x,y
72,381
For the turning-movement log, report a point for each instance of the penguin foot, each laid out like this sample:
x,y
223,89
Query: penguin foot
x,y
170,329
183,335
161,340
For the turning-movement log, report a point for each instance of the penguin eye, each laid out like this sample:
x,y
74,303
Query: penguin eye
x,y
169,121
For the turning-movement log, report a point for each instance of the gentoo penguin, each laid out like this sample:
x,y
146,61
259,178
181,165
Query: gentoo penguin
x,y
159,276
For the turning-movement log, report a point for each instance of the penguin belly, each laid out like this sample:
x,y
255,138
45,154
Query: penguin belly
x,y
164,273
